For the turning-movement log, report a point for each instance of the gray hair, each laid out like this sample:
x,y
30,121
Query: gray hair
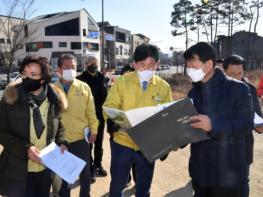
x,y
90,59
66,57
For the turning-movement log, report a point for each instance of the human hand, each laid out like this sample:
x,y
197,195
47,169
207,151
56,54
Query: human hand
x,y
259,129
63,148
201,122
92,138
33,154
112,126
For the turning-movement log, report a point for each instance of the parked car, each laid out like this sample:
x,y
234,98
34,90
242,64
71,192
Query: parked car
x,y
2,83
54,78
13,77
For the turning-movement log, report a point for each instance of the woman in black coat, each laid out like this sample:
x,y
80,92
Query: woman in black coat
x,y
29,121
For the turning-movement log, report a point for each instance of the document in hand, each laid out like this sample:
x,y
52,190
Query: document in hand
x,y
130,118
66,165
258,121
167,130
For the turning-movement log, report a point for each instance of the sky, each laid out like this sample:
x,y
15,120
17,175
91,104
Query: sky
x,y
149,17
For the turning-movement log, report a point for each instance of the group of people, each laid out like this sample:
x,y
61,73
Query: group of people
x,y
34,113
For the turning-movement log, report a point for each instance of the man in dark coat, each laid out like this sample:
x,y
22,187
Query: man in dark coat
x,y
97,83
234,67
29,121
218,166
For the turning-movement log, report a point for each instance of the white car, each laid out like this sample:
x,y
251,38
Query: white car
x,y
13,77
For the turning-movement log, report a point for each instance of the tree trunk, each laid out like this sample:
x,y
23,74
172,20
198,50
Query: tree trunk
x,y
255,31
211,24
216,26
186,31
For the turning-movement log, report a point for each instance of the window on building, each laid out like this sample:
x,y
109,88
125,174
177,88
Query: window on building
x,y
8,41
62,44
75,45
91,46
84,32
120,37
35,46
91,25
127,39
125,52
66,28
19,46
117,51
2,41
121,50
26,30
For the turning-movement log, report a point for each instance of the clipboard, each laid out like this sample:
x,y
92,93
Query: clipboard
x,y
167,130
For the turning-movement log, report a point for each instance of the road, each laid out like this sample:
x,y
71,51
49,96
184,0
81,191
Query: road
x,y
1,93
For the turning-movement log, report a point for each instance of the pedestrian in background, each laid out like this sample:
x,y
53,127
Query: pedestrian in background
x,y
234,67
98,85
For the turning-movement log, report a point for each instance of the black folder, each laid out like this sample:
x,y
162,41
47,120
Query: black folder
x,y
167,130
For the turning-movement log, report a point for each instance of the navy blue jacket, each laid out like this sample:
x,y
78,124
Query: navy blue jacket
x,y
223,160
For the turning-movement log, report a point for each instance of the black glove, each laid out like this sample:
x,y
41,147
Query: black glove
x,y
164,157
112,126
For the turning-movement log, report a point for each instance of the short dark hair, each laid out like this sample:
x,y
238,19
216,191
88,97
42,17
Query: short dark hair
x,y
219,61
144,51
203,50
66,57
126,68
234,59
45,68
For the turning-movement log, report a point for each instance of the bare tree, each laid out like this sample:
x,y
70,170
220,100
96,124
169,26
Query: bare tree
x,y
12,25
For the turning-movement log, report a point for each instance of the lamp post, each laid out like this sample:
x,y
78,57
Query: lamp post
x,y
102,38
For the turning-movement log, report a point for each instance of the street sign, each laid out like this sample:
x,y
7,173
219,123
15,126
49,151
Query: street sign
x,y
109,37
94,34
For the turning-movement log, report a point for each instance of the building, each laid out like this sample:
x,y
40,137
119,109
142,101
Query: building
x,y
9,28
52,35
246,44
136,40
117,46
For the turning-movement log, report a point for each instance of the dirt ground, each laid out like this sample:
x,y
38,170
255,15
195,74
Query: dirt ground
x,y
171,176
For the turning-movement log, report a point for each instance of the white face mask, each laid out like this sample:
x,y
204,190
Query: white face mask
x,y
69,75
196,74
145,75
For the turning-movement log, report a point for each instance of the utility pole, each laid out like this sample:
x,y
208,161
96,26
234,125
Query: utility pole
x,y
102,38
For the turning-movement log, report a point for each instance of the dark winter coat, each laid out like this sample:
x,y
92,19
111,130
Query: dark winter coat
x,y
15,131
223,160
98,88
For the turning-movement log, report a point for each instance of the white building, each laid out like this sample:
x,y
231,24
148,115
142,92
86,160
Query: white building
x,y
138,39
52,35
8,38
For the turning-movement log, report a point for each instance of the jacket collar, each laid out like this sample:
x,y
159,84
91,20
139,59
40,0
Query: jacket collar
x,y
14,92
152,81
214,81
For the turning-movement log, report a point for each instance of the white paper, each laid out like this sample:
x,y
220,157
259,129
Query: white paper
x,y
258,121
66,165
130,118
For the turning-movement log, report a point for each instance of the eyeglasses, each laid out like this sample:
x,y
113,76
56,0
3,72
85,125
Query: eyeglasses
x,y
30,75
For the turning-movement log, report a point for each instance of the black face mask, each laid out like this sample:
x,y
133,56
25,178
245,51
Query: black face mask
x,y
92,68
31,85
